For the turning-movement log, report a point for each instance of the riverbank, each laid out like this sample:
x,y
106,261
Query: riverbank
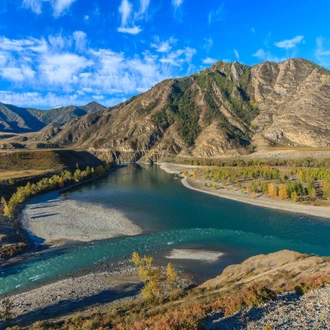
x,y
237,195
54,219
64,297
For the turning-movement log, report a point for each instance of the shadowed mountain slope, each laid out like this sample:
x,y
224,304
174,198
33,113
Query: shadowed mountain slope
x,y
22,120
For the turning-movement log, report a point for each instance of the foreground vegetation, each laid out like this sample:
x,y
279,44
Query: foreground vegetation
x,y
187,310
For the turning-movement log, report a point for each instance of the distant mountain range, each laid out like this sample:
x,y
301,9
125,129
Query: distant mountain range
x,y
22,120
227,109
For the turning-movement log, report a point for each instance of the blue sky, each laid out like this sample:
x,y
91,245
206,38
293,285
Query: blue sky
x,y
61,52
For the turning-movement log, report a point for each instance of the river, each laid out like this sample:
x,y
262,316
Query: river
x,y
172,217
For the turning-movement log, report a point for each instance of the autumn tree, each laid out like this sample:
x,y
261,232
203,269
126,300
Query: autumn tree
x,y
294,196
282,192
272,190
156,283
326,190
171,276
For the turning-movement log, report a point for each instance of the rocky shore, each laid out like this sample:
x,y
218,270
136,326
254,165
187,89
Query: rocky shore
x,y
289,311
76,293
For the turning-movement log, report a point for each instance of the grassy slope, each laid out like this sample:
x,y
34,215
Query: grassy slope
x,y
31,166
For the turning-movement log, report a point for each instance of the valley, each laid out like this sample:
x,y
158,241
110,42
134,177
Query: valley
x,y
244,134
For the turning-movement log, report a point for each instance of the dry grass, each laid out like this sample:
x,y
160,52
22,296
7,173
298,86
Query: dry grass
x,y
20,174
299,148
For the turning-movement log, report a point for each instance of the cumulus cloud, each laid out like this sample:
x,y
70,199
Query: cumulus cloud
x,y
290,43
65,65
209,60
129,18
59,7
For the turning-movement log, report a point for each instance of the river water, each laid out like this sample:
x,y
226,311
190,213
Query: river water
x,y
172,217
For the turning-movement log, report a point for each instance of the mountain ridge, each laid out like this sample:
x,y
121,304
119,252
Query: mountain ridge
x,y
15,119
225,110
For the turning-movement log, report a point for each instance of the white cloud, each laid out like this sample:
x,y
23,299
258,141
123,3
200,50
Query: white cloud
x,y
80,40
17,74
34,5
322,54
52,65
62,68
236,54
59,7
125,10
208,44
128,18
130,30
52,100
216,15
179,56
290,43
163,46
177,4
144,5
209,60
86,18
14,45
267,56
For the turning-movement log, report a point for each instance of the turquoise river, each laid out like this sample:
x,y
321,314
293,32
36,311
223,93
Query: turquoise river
x,y
172,217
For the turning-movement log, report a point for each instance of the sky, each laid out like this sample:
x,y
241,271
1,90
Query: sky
x,y
63,52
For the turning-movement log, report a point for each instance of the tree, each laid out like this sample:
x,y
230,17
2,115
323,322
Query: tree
x,y
294,196
171,276
282,192
272,190
326,190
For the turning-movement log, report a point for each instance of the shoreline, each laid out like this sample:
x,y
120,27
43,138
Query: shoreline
x,y
52,219
261,201
118,284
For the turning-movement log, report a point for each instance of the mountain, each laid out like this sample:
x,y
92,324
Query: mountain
x,y
22,120
228,109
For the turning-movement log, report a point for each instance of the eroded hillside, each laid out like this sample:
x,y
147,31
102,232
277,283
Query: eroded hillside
x,y
228,109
